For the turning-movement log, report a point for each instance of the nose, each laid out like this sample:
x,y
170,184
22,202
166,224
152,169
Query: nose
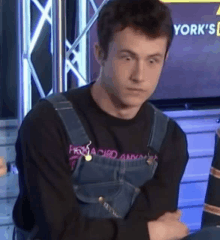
x,y
138,72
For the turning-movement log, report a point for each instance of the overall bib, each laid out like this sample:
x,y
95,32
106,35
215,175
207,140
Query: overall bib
x,y
105,187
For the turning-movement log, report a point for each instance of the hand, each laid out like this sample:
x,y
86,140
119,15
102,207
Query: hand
x,y
3,167
168,215
167,229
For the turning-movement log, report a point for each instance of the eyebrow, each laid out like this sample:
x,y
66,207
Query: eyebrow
x,y
134,54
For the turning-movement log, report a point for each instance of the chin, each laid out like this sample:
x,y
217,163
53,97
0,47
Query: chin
x,y
132,102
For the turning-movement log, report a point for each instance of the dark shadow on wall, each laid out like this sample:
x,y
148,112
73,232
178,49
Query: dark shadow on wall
x,y
8,65
1,75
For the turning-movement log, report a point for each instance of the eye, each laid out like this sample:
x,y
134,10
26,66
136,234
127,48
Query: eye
x,y
153,60
127,58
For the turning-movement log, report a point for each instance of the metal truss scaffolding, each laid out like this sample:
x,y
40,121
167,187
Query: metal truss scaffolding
x,y
62,49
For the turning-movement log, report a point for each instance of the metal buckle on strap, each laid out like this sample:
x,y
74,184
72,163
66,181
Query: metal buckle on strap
x,y
109,208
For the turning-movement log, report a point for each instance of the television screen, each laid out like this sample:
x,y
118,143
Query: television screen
x,y
192,70
193,66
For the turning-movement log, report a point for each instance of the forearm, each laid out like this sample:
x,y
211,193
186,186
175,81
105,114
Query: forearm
x,y
161,193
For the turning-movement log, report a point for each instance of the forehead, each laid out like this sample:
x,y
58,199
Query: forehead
x,y
137,41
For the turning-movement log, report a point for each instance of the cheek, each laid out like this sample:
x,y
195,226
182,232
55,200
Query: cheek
x,y
108,71
153,76
156,73
120,71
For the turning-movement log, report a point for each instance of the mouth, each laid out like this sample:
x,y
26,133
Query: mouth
x,y
135,90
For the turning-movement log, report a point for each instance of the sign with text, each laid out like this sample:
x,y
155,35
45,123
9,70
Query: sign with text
x,y
193,67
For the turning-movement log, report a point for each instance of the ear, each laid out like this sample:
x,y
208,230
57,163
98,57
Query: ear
x,y
98,54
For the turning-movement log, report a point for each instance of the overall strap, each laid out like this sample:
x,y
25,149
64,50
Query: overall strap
x,y
70,119
158,130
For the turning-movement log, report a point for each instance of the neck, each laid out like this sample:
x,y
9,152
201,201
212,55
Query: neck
x,y
110,103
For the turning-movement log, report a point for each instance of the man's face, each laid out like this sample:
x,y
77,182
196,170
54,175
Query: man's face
x,y
134,62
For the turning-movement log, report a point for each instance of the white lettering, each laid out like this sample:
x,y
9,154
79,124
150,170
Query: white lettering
x,y
187,29
212,29
200,29
177,28
193,29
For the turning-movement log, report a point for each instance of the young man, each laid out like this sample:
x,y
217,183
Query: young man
x,y
211,213
112,169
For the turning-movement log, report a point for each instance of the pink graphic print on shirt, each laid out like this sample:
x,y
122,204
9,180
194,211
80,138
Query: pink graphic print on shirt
x,y
76,151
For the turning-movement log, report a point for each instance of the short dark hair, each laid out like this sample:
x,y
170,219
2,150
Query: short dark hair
x,y
151,17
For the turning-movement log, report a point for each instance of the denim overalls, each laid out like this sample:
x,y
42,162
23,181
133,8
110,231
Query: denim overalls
x,y
105,187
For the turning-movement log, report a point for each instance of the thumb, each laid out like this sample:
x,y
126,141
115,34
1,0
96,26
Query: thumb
x,y
178,213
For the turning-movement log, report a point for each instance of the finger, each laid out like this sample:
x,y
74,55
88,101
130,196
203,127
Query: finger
x,y
174,215
162,218
168,215
171,215
3,167
179,212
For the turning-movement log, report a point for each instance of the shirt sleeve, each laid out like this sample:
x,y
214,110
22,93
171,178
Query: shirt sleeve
x,y
161,193
42,160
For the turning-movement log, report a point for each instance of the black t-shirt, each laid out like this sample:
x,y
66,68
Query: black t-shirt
x,y
45,160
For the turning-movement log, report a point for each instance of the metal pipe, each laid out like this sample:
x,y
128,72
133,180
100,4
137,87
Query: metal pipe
x,y
20,69
24,79
59,51
88,26
82,10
